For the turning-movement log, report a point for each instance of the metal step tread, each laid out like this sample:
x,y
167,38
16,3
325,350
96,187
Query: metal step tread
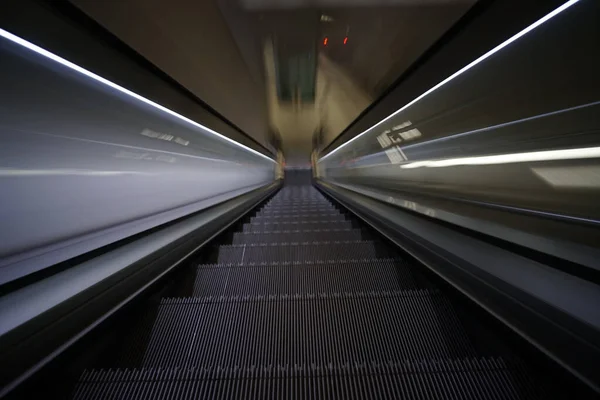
x,y
290,207
299,217
300,251
413,324
296,236
470,378
308,231
293,263
296,225
317,224
283,206
288,279
298,204
298,214
299,201
245,298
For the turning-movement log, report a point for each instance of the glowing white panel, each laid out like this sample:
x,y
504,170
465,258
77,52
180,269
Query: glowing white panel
x,y
534,156
24,43
461,71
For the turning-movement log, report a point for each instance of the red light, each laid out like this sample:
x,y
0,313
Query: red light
x,y
346,40
325,41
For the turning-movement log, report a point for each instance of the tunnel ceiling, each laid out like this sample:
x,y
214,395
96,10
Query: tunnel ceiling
x,y
295,72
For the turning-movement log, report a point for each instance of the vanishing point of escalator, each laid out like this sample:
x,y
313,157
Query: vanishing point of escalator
x,y
305,304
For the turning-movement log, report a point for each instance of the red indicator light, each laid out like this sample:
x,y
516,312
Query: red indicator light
x,y
325,41
346,40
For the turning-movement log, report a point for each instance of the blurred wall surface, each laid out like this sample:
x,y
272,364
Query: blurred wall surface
x,y
84,164
517,131
190,41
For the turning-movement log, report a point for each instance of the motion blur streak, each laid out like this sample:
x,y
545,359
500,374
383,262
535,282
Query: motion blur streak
x,y
86,163
50,172
126,146
503,125
463,70
75,67
570,177
520,129
552,155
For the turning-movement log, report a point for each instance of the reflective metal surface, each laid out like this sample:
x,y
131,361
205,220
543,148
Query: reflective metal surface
x,y
81,158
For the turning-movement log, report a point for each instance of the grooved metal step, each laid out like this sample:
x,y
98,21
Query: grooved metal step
x,y
472,378
295,194
296,236
296,225
304,204
298,201
320,207
296,211
297,252
288,205
375,327
290,198
325,218
286,280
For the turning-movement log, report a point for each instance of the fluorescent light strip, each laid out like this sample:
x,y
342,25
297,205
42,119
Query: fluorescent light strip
x,y
22,42
535,156
463,70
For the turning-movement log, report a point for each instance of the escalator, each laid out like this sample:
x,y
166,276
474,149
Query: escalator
x,y
304,302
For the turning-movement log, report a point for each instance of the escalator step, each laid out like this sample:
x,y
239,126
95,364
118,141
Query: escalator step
x,y
303,192
298,192
472,378
296,211
277,280
333,328
298,252
296,236
318,208
289,205
290,200
298,205
297,225
325,218
284,198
